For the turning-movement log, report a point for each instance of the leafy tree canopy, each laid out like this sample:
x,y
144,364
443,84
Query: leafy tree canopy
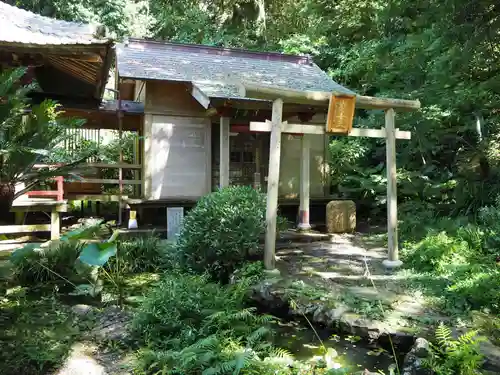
x,y
444,53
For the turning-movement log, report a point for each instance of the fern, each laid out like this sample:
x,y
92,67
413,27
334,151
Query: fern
x,y
451,356
257,335
280,353
243,360
443,335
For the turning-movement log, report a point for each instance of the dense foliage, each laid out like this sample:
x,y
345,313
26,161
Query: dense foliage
x,y
222,231
458,260
190,325
81,257
444,54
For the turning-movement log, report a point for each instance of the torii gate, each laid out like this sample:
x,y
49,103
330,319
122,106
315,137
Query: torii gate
x,y
276,126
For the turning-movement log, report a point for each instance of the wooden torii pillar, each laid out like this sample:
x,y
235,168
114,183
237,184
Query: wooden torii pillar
x,y
276,126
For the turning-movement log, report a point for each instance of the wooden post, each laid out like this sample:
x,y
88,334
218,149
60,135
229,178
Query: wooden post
x,y
224,152
120,170
60,188
19,217
272,185
305,166
55,224
256,175
392,260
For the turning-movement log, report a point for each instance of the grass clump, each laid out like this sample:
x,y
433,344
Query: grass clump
x,y
46,264
144,254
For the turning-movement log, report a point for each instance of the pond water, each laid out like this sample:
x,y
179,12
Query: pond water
x,y
350,351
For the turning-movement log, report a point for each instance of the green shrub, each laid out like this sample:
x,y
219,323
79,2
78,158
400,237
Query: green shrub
x,y
479,287
191,325
45,264
249,274
222,230
144,254
459,266
437,252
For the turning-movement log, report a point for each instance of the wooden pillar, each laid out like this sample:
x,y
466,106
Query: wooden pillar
x,y
19,217
224,152
392,260
120,170
305,167
55,224
256,175
272,185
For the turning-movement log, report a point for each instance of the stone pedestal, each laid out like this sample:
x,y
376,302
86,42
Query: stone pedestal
x,y
341,217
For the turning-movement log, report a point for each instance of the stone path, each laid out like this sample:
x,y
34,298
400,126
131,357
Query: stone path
x,y
346,267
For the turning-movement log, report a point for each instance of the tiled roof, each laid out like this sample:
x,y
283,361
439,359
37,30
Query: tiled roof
x,y
20,26
211,68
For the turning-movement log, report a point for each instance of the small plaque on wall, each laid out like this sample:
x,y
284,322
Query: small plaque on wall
x,y
175,215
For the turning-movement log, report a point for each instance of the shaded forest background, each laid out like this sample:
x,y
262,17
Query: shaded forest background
x,y
445,53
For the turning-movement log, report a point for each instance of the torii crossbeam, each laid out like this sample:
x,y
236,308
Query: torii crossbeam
x,y
276,126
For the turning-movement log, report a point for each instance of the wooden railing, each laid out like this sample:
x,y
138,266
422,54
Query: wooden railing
x,y
59,193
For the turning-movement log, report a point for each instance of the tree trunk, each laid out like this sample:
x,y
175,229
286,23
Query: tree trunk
x,y
7,191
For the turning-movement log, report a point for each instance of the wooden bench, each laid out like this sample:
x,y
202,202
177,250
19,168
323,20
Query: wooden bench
x,y
22,206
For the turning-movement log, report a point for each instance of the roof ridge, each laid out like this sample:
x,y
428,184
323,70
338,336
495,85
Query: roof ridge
x,y
240,52
15,19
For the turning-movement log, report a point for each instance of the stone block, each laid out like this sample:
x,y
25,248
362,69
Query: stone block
x,y
341,216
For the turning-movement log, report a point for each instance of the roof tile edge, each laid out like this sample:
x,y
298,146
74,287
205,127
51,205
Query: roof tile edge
x,y
236,52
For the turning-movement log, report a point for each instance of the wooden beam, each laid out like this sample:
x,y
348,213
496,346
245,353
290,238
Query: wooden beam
x,y
97,197
392,219
224,152
11,229
200,96
110,181
320,129
113,165
268,92
272,185
34,205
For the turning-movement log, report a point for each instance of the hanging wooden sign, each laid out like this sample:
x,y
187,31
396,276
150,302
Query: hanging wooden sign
x,y
340,114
